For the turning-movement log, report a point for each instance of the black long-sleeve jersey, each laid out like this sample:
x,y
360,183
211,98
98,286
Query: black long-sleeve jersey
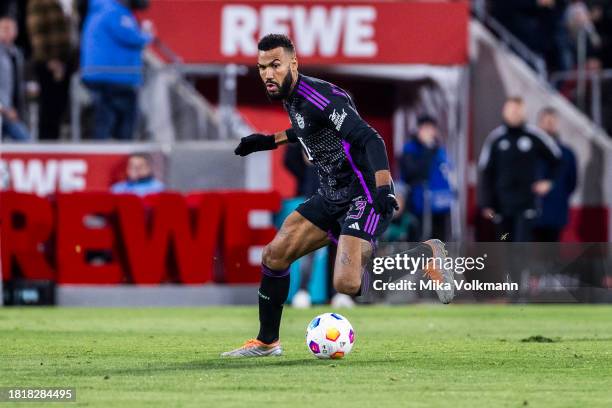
x,y
345,150
509,161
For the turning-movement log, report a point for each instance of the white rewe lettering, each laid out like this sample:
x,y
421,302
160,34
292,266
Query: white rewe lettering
x,y
359,32
45,177
320,30
5,177
33,176
72,175
317,30
238,30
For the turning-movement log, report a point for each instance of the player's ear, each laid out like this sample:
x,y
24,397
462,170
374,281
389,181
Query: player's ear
x,y
294,62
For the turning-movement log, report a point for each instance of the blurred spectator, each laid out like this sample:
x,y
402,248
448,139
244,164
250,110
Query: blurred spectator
x,y
403,224
111,64
424,168
52,27
12,84
583,33
509,181
140,178
539,24
601,15
554,206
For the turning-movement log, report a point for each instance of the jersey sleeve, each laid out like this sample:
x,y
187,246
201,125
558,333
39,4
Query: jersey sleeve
x,y
339,113
291,135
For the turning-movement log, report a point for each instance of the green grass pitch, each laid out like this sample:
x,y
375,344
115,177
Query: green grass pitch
x,y
417,356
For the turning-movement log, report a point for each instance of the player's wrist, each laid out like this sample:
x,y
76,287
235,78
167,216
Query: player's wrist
x,y
267,142
291,135
382,177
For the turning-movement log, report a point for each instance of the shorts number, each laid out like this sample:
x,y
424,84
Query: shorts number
x,y
359,207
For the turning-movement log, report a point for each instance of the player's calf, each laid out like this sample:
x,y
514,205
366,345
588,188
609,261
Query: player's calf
x,y
347,285
353,254
275,259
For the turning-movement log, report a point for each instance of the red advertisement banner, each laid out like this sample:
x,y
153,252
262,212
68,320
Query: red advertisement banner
x,y
324,32
45,170
102,238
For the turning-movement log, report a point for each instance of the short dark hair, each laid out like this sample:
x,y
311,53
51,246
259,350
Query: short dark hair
x,y
426,119
8,17
515,99
548,110
143,155
271,41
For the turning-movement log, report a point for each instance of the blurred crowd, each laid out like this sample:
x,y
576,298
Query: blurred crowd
x,y
526,178
44,42
554,29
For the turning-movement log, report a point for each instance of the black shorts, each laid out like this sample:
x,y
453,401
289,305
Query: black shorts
x,y
356,218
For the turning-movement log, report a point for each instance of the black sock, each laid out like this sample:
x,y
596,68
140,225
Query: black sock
x,y
273,292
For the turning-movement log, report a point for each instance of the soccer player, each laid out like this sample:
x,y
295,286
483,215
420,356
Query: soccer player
x,y
354,204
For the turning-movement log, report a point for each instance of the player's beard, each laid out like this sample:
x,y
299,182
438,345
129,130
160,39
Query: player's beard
x,y
283,89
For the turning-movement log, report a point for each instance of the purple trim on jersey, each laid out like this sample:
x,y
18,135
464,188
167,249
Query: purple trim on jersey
x,y
367,224
373,225
363,289
312,100
365,228
347,148
310,88
314,95
274,274
331,237
338,91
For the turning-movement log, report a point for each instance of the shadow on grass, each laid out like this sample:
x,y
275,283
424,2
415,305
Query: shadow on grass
x,y
219,365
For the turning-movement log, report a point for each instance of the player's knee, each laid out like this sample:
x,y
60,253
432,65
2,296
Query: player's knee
x,y
347,286
274,259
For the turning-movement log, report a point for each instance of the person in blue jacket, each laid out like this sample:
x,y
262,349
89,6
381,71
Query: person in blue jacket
x,y
554,206
111,65
424,168
140,178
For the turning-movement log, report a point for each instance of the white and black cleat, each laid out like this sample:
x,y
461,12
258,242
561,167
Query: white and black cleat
x,y
437,271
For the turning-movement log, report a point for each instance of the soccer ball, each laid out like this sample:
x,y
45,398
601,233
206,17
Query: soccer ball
x,y
330,335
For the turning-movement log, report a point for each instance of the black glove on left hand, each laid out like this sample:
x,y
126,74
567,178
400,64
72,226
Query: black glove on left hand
x,y
385,202
255,143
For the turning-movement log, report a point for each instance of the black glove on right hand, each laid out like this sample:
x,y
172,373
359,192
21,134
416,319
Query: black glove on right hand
x,y
255,143
385,201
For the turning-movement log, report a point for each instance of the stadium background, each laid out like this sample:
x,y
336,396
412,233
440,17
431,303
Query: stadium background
x,y
200,241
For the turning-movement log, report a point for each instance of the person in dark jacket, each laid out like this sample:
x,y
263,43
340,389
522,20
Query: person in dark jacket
x,y
509,183
111,65
12,83
52,28
554,206
539,24
424,168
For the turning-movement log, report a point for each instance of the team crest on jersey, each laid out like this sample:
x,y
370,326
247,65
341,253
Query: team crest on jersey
x,y
524,144
300,120
337,118
504,144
